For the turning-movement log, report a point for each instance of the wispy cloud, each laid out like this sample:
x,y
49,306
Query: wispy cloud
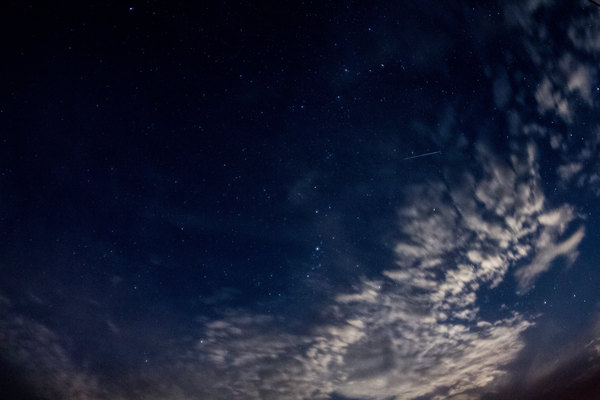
x,y
545,256
565,88
417,328
39,354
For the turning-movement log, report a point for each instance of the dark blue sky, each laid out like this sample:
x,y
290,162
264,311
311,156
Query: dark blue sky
x,y
221,200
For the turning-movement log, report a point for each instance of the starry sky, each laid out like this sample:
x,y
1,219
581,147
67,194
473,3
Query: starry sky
x,y
300,200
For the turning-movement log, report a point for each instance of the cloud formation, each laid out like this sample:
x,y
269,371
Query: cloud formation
x,y
417,328
545,256
565,88
39,354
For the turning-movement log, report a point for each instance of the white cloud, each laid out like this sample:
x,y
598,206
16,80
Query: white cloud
x,y
559,217
417,328
568,171
566,88
545,256
550,98
580,78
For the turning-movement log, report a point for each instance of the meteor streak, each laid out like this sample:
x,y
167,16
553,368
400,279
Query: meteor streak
x,y
424,155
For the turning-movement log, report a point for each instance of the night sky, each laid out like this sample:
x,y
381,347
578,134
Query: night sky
x,y
300,200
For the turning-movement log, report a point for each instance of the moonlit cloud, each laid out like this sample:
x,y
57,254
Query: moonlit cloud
x,y
545,256
549,98
558,91
568,171
417,328
580,77
414,331
37,349
565,88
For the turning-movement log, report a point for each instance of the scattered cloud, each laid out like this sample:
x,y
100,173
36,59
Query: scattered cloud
x,y
568,171
584,32
417,329
38,352
565,89
579,77
550,99
545,256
